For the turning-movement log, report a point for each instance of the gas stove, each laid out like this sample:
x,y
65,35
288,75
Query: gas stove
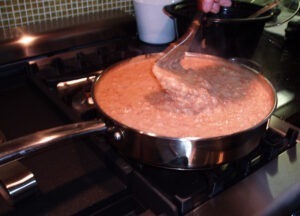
x,y
49,86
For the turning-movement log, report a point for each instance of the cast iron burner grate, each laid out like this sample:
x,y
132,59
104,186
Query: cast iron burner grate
x,y
67,78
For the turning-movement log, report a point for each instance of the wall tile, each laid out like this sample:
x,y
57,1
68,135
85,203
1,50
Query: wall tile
x,y
19,12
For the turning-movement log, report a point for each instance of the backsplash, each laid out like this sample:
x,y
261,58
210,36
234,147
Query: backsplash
x,y
20,12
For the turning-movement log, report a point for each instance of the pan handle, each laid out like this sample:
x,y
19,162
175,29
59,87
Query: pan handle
x,y
20,147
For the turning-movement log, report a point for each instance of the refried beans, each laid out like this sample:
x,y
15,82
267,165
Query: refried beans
x,y
130,94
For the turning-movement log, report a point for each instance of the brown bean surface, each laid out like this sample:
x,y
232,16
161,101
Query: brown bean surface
x,y
130,94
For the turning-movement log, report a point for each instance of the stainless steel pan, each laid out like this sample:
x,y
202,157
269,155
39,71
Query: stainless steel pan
x,y
172,153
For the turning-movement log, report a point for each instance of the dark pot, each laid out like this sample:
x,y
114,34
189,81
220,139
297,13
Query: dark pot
x,y
229,33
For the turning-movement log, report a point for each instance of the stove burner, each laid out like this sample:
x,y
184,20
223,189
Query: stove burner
x,y
82,101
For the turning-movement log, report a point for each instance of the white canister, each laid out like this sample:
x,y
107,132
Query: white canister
x,y
154,26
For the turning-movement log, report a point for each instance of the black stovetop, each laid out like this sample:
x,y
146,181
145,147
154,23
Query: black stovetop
x,y
85,175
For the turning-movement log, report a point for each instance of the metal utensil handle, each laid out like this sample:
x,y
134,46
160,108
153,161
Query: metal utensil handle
x,y
264,9
176,51
20,147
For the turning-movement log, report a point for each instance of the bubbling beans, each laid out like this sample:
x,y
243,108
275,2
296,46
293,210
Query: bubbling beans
x,y
130,94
